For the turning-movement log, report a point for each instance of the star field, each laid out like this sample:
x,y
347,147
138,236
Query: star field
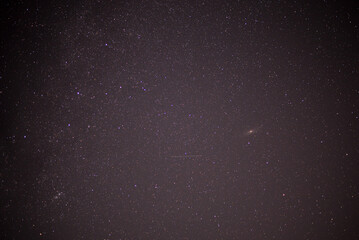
x,y
179,120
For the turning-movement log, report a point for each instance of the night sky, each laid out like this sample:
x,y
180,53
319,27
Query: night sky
x,y
179,120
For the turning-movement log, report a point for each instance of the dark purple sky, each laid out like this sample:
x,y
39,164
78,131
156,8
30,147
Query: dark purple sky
x,y
179,120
